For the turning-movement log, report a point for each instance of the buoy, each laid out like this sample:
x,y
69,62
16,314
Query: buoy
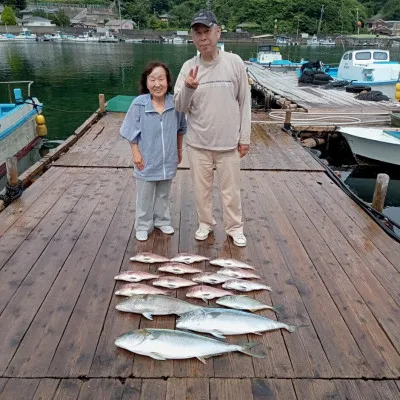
x,y
397,94
41,128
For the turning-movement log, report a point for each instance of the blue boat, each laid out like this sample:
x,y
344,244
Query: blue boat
x,y
270,55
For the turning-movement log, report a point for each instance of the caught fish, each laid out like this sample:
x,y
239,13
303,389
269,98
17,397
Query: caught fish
x,y
168,344
206,292
238,273
230,263
244,286
173,282
134,276
243,302
149,258
178,268
211,278
131,289
153,304
188,258
224,321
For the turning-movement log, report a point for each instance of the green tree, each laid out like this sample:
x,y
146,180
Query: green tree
x,y
60,19
8,16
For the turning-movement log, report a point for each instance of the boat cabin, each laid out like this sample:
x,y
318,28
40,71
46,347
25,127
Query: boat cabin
x,y
268,53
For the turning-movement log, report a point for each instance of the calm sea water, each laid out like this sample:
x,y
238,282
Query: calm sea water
x,y
69,76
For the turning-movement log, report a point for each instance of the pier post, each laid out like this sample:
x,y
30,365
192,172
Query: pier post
x,y
288,117
102,105
381,186
12,179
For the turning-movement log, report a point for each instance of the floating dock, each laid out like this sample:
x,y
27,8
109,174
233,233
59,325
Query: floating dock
x,y
331,267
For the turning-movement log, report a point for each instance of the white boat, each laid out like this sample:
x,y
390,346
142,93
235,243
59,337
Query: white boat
x,y
17,124
314,41
369,67
380,144
270,55
25,34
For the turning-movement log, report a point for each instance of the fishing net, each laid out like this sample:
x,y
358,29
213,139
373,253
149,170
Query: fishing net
x,y
373,95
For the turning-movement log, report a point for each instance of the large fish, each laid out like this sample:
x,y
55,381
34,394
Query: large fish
x,y
173,282
134,276
153,304
243,302
149,258
168,344
188,258
223,321
244,286
230,263
178,268
238,273
206,292
131,289
211,278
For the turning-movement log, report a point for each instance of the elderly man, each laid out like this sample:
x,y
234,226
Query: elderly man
x,y
212,89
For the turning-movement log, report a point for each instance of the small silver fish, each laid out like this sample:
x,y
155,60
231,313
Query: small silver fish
x,y
149,258
134,276
230,263
169,344
238,273
244,286
178,268
206,292
137,288
153,304
188,258
211,278
243,302
173,282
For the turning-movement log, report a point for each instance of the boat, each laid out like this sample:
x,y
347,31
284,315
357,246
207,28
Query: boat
x,y
379,144
270,55
18,131
369,67
25,34
314,41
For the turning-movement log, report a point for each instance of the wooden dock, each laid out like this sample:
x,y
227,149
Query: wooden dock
x,y
331,267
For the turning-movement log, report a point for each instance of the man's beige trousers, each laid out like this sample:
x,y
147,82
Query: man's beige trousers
x,y
227,164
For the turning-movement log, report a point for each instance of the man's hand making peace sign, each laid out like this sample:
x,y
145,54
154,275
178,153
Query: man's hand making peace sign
x,y
191,80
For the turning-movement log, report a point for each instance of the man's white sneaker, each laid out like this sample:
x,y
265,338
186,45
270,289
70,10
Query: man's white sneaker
x,y
167,229
202,233
142,235
239,239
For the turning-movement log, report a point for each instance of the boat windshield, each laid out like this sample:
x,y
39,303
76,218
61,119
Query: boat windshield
x,y
380,56
268,48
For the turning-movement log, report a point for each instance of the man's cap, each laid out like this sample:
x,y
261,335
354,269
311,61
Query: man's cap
x,y
204,17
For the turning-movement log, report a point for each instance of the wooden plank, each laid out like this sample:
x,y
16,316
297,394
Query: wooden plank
x,y
388,390
46,389
357,390
21,389
3,382
277,389
132,389
306,355
94,389
230,389
42,338
153,389
187,389
316,389
333,332
68,389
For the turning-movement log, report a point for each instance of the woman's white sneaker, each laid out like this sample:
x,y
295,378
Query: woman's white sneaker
x,y
141,236
239,239
202,233
167,229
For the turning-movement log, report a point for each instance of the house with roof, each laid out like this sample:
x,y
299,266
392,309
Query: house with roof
x,y
379,26
164,17
247,27
36,21
118,24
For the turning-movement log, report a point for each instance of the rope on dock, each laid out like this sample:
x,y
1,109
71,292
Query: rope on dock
x,y
12,193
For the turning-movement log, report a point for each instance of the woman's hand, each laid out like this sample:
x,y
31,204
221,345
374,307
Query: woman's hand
x,y
180,151
137,159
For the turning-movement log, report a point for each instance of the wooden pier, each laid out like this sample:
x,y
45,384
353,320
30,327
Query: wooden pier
x,y
332,268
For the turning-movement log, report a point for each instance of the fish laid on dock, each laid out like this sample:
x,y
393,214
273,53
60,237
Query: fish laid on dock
x,y
131,289
149,258
230,263
135,276
223,321
153,304
178,268
244,286
188,258
205,292
238,273
168,344
243,302
211,278
173,282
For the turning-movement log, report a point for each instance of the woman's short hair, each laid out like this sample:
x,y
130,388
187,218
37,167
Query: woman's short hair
x,y
148,70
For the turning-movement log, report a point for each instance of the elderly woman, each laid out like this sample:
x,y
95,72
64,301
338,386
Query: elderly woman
x,y
155,131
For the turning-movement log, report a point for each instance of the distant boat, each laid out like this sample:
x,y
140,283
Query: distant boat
x,y
314,41
380,144
270,55
25,34
17,124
